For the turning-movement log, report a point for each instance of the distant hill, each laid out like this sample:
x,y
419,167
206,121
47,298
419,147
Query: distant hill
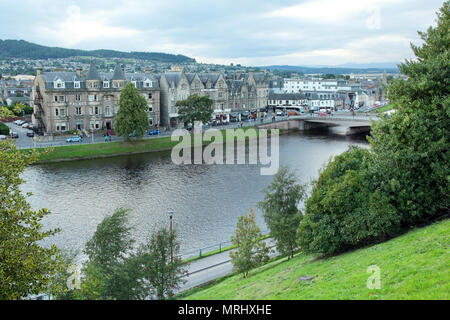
x,y
331,70
27,50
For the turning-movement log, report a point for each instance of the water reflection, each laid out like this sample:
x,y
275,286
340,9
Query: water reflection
x,y
206,199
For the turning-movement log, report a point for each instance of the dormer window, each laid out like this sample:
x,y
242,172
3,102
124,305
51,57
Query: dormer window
x,y
147,83
59,84
105,84
77,84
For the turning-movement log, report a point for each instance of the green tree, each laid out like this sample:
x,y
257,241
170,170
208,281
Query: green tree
x,y
251,252
411,148
281,212
132,117
161,264
26,267
347,207
195,108
112,264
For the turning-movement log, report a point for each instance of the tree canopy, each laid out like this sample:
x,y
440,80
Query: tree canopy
x,y
195,108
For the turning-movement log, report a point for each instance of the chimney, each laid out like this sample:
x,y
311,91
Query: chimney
x,y
149,70
251,72
79,71
38,71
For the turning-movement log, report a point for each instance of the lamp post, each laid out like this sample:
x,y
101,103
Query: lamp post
x,y
171,248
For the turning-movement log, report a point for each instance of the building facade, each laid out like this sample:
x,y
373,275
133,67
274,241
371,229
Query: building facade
x,y
233,92
66,101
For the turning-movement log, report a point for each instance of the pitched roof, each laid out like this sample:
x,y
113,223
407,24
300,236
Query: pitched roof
x,y
118,73
92,73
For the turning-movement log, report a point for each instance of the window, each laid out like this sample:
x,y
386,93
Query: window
x,y
56,112
77,85
61,126
108,111
78,111
96,110
150,121
96,85
150,95
55,98
93,97
150,107
147,83
78,97
105,84
62,112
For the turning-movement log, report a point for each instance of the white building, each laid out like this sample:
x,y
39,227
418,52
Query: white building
x,y
295,85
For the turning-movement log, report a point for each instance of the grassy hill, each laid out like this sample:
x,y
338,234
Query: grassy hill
x,y
415,265
28,50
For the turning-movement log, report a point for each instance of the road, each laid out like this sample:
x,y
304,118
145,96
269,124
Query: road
x,y
213,267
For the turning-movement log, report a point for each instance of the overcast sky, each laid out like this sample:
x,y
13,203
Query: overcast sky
x,y
250,32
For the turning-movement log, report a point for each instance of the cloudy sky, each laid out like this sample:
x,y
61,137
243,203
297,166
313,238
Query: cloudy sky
x,y
250,32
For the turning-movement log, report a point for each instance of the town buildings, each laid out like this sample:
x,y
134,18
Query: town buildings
x,y
66,101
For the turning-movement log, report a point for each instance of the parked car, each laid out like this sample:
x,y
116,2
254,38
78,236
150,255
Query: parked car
x,y
14,135
2,137
25,125
74,139
154,132
20,122
279,113
30,134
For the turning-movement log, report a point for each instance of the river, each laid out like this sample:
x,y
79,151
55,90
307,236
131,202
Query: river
x,y
206,199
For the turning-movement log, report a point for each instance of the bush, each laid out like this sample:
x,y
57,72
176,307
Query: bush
x,y
347,208
4,129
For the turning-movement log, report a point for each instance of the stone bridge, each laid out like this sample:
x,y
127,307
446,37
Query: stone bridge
x,y
354,124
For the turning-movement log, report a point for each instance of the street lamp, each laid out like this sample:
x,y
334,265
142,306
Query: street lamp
x,y
171,248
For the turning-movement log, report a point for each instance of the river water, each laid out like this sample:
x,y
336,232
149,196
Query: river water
x,y
206,199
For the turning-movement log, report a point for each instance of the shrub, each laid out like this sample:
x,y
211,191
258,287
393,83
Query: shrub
x,y
4,129
347,208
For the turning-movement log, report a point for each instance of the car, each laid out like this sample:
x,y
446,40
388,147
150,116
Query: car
x,y
20,122
14,135
322,114
30,134
154,132
279,113
25,125
74,139
2,137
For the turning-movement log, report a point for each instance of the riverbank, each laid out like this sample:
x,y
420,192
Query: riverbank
x,y
119,148
411,266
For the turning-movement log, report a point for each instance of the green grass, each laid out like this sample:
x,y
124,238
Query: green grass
x,y
384,109
415,265
110,149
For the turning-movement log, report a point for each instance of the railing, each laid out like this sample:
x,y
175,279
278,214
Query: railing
x,y
215,247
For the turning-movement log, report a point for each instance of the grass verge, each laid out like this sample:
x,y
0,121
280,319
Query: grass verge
x,y
111,149
412,266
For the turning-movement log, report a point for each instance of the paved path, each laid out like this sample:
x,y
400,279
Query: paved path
x,y
213,267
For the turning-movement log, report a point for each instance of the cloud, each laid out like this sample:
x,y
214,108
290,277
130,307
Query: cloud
x,y
249,32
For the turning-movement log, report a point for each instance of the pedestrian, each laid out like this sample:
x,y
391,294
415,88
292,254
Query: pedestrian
x,y
106,138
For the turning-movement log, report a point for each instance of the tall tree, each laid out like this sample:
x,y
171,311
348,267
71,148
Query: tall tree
x,y
26,267
412,146
251,252
131,119
281,212
161,264
112,264
195,108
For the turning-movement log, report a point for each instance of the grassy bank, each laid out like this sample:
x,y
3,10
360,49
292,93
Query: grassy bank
x,y
111,149
412,266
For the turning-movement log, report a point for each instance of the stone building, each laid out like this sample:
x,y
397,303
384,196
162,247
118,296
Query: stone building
x,y
66,101
229,93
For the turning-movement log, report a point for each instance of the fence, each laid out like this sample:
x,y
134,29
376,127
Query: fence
x,y
215,247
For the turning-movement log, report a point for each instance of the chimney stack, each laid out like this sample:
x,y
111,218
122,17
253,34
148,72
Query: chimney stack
x,y
149,70
79,71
